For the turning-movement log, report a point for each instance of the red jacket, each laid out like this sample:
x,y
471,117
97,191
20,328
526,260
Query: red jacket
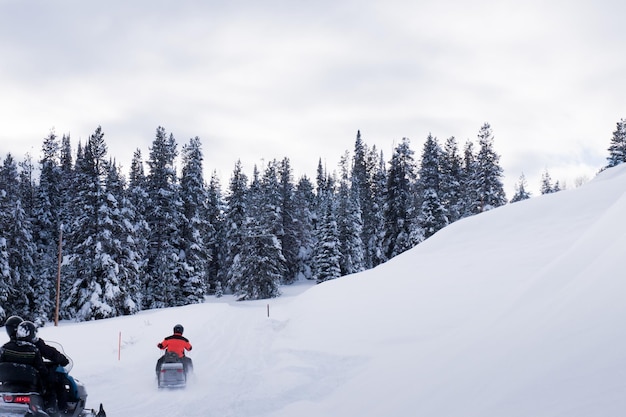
x,y
175,343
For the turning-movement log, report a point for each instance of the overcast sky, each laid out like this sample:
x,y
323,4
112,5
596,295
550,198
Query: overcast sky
x,y
258,80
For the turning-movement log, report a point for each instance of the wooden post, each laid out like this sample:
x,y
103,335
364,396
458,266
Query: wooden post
x,y
56,311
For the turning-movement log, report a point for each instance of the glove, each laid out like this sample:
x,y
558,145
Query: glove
x,y
160,346
64,361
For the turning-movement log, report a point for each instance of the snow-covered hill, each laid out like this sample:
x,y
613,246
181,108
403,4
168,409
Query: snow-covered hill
x,y
514,312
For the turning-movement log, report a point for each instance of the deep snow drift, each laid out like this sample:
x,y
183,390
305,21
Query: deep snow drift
x,y
514,312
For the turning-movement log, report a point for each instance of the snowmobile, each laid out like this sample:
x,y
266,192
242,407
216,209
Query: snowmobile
x,y
22,393
172,372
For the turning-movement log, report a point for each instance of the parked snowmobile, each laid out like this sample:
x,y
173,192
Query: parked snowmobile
x,y
22,393
172,372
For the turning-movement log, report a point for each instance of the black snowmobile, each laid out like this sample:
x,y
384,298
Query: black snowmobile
x,y
172,372
22,393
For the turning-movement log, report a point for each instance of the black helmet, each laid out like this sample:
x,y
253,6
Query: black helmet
x,y
26,332
11,325
179,329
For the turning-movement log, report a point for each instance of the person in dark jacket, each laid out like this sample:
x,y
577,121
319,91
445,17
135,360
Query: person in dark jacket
x,y
54,381
177,344
22,349
47,352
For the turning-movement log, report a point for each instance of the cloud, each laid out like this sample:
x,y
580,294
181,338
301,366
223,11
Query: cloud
x,y
259,81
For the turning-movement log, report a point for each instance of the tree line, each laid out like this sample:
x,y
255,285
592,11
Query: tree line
x,y
163,237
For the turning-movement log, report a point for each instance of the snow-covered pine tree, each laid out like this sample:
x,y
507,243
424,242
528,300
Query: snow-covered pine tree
x,y
546,183
46,226
8,195
163,214
120,259
20,249
520,190
27,192
324,187
451,179
617,148
268,216
137,198
362,177
489,174
90,294
349,223
376,222
67,185
27,187
289,237
400,202
304,209
326,254
215,242
235,217
5,279
470,199
432,214
196,228
259,265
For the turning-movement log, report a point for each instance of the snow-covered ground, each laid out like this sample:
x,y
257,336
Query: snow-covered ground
x,y
515,312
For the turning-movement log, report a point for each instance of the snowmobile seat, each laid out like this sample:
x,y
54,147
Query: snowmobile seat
x,y
171,357
19,377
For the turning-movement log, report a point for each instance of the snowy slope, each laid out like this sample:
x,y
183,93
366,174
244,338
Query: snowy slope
x,y
515,312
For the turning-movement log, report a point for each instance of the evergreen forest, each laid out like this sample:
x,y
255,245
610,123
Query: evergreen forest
x,y
80,240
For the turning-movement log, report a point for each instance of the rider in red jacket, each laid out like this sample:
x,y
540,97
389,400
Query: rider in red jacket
x,y
177,344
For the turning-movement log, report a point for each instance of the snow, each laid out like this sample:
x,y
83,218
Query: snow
x,y
514,312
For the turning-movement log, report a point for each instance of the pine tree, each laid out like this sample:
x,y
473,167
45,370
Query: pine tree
x,y
27,197
451,165
304,215
268,208
7,200
547,187
20,249
520,190
377,220
5,279
196,227
432,216
289,238
27,189
136,205
215,242
95,291
235,218
46,226
326,255
67,186
470,198
259,265
489,173
120,259
349,223
163,215
400,202
362,189
617,149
